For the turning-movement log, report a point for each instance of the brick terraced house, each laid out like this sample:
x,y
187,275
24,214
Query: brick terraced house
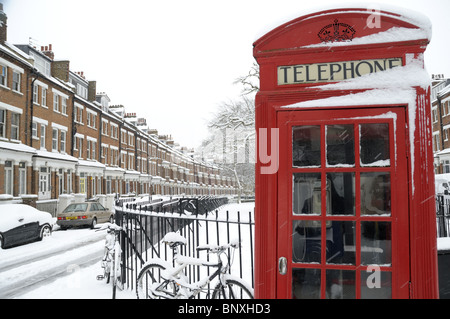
x,y
59,136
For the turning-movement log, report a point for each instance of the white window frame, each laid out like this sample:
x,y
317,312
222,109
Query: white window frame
x,y
34,130
123,159
36,93
111,157
3,75
104,127
42,137
80,146
60,175
130,161
22,178
62,141
114,131
56,103
44,97
82,91
15,126
94,120
54,139
69,181
78,113
114,151
9,177
104,151
41,64
88,149
123,136
108,184
91,119
82,183
16,84
3,123
94,150
63,105
130,139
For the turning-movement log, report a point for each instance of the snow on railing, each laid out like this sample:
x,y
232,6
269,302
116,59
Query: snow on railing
x,y
204,220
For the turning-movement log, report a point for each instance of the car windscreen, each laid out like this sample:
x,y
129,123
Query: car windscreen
x,y
72,208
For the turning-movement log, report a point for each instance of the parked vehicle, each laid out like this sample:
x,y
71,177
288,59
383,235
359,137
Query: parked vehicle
x,y
20,224
84,214
442,184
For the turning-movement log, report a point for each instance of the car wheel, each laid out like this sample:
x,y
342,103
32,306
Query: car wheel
x,y
94,223
46,231
111,219
1,241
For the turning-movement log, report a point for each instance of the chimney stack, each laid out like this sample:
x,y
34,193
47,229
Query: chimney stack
x,y
3,25
48,51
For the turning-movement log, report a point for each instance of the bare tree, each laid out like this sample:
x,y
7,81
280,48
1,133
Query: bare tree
x,y
231,143
250,82
234,114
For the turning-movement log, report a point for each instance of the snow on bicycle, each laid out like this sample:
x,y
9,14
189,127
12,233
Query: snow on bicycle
x,y
159,279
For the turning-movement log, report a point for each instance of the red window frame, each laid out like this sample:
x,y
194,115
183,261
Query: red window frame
x,y
399,218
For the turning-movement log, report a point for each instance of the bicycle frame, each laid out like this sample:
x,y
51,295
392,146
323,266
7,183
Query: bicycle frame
x,y
176,275
112,257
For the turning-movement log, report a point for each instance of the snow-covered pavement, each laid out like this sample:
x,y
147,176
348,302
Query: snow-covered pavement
x,y
78,283
64,265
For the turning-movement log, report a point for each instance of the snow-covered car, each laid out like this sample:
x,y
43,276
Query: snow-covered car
x,y
20,224
84,214
442,183
441,186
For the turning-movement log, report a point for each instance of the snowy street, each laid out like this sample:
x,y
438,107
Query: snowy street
x,y
61,266
66,264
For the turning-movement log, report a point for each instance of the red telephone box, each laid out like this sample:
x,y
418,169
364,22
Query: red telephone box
x,y
344,177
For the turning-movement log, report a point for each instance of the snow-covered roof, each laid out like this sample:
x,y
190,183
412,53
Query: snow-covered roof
x,y
444,91
18,147
55,156
407,15
16,53
94,164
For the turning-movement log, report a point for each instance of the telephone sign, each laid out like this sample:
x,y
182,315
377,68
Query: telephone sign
x,y
332,72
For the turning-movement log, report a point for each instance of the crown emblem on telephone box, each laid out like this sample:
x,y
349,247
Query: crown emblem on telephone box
x,y
337,32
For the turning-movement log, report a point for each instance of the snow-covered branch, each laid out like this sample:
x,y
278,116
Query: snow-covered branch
x,y
234,114
250,82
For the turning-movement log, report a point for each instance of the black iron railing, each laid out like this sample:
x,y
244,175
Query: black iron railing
x,y
197,219
443,215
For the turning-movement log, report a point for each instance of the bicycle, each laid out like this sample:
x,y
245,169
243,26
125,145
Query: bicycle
x,y
112,259
159,279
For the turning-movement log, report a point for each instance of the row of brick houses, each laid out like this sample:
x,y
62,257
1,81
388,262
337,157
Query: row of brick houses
x,y
440,117
58,135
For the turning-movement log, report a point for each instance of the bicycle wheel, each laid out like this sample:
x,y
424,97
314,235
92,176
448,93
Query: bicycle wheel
x,y
106,274
234,288
149,279
113,272
118,267
106,265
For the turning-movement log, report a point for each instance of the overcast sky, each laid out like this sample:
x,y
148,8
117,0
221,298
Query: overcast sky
x,y
173,62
